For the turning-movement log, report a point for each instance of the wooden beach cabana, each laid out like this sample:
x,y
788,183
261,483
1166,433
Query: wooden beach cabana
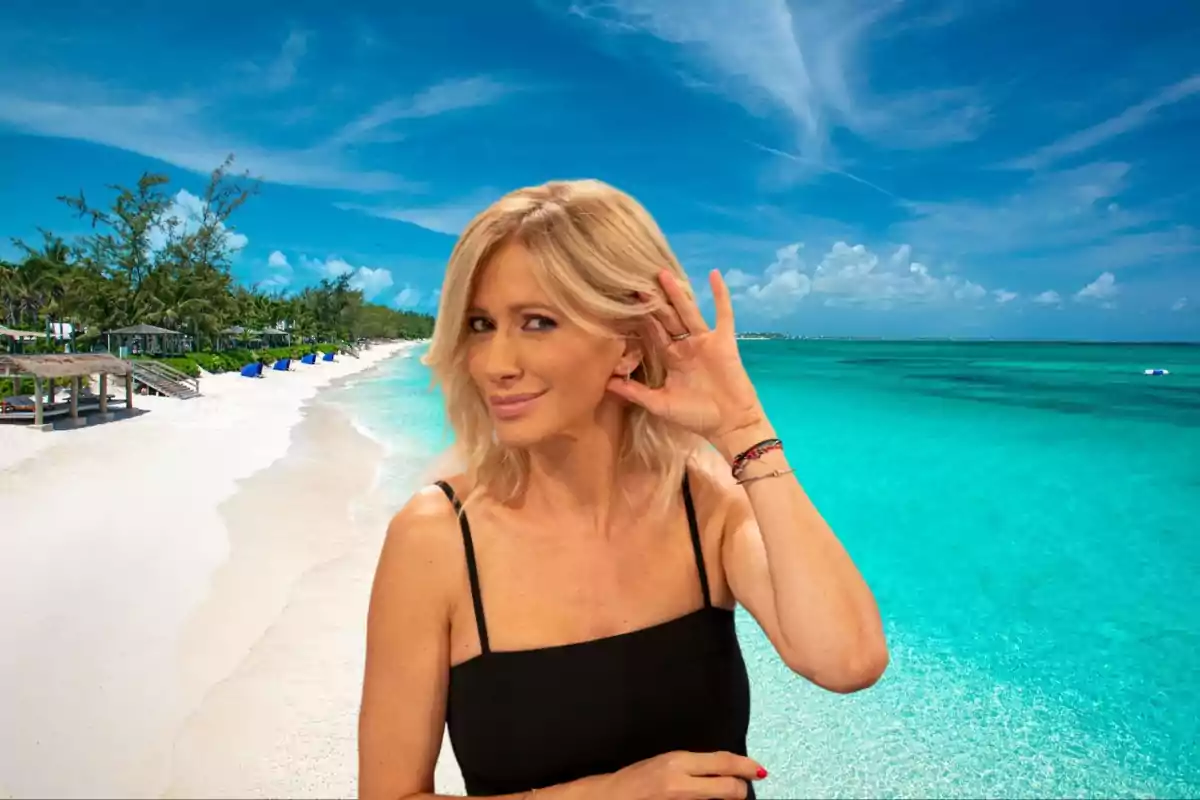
x,y
148,340
40,408
17,337
252,338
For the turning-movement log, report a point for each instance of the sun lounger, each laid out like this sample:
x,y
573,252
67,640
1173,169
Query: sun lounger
x,y
252,370
310,358
328,356
24,407
283,364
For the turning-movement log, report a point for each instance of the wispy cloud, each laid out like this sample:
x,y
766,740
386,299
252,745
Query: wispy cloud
x,y
803,61
1076,212
282,71
825,167
441,98
1128,120
178,132
181,131
449,218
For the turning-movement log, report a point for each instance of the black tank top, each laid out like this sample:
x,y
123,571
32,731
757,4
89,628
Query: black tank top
x,y
527,719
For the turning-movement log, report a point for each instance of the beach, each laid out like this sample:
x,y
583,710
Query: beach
x,y
186,593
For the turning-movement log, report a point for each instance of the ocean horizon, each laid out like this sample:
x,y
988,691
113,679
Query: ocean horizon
x,y
1025,513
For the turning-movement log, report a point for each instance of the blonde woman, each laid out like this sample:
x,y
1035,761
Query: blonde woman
x,y
564,605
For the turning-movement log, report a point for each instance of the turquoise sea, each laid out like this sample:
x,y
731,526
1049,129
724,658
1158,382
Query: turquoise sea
x,y
1028,515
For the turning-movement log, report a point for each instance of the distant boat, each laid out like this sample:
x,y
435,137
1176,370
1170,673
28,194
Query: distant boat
x,y
1157,372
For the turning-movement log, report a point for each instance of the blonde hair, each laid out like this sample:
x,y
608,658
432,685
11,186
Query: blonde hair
x,y
594,247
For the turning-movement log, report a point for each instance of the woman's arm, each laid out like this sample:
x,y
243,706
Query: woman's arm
x,y
402,716
789,570
586,789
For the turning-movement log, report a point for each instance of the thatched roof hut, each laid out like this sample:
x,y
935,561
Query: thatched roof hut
x,y
58,365
72,365
148,339
15,334
142,329
235,334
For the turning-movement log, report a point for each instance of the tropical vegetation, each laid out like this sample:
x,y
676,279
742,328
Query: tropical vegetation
x,y
145,262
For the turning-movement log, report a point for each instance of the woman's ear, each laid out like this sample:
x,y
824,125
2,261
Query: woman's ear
x,y
631,358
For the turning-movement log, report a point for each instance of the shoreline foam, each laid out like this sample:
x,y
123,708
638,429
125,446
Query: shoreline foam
x,y
112,539
282,720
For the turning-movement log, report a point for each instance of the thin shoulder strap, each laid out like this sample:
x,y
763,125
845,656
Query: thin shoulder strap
x,y
472,567
694,528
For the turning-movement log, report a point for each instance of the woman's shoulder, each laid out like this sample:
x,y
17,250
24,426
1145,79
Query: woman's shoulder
x,y
423,537
429,511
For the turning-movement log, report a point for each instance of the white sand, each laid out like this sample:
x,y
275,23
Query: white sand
x,y
138,594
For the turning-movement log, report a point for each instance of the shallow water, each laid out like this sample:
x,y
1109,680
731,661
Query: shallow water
x,y
1027,515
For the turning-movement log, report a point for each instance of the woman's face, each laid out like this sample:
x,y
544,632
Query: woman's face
x,y
539,373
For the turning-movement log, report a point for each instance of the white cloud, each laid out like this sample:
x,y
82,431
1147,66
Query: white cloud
x,y
275,282
407,297
187,213
849,275
736,279
1004,296
371,281
781,286
1067,208
1180,304
180,131
281,271
1067,214
282,71
448,218
803,61
1128,120
441,98
1101,290
1048,298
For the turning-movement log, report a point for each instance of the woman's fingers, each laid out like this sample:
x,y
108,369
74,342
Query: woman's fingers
x,y
723,302
657,332
717,788
653,400
725,763
686,309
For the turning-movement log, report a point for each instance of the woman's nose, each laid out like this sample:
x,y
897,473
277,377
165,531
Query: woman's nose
x,y
501,360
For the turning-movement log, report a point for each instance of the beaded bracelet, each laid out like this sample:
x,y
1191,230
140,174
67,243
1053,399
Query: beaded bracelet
x,y
753,453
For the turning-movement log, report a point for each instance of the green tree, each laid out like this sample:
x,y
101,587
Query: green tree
x,y
152,258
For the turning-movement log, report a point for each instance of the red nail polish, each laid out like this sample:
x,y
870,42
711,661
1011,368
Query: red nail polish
x,y
762,773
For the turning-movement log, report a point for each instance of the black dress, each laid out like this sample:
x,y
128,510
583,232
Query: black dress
x,y
527,719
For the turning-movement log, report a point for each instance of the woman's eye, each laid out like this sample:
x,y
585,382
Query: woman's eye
x,y
538,323
478,324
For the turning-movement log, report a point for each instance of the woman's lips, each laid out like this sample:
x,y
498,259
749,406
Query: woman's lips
x,y
511,406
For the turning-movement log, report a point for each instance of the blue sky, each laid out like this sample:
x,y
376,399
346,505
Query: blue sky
x,y
980,168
